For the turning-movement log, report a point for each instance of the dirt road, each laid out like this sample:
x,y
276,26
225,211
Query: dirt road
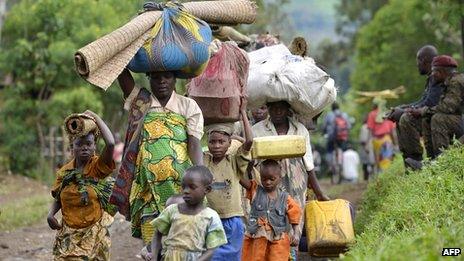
x,y
35,242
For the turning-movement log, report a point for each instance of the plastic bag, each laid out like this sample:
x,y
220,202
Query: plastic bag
x,y
218,90
276,76
179,42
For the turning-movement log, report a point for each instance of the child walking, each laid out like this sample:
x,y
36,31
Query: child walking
x,y
82,194
228,166
272,210
190,230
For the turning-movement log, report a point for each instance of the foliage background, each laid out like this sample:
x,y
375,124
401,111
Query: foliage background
x,y
364,44
412,215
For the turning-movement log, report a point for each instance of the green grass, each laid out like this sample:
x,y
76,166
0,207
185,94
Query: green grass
x,y
335,190
24,212
413,216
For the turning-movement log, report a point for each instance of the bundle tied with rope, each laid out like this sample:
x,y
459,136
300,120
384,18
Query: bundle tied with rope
x,y
101,61
80,124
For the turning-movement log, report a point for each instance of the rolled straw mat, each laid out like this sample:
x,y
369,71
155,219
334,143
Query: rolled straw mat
x,y
79,124
101,61
227,33
299,47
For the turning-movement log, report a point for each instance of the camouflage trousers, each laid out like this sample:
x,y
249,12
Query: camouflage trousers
x,y
410,129
445,127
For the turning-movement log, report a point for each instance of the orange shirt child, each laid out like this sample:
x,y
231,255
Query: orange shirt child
x,y
265,245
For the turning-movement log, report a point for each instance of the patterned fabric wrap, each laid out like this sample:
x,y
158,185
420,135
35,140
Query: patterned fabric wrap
x,y
384,152
123,184
161,162
295,183
178,42
102,188
90,243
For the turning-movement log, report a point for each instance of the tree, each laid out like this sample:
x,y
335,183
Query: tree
x,y
271,18
39,39
338,55
386,48
447,16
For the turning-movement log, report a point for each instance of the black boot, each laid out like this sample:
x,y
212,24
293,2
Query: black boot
x,y
413,164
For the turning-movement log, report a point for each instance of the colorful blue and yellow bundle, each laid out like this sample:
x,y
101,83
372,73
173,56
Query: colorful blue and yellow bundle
x,y
179,42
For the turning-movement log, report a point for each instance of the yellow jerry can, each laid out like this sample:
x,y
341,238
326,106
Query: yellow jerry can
x,y
329,227
279,147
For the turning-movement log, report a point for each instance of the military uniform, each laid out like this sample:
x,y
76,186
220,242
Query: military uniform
x,y
446,120
411,128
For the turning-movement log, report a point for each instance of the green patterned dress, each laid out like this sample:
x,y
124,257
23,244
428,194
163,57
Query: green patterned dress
x,y
161,162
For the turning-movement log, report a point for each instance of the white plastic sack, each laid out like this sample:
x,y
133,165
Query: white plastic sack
x,y
264,54
291,78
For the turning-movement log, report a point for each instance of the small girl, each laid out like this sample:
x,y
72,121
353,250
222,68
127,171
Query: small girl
x,y
190,230
81,193
272,210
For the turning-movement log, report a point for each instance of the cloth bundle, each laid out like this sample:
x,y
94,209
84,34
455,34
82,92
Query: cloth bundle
x,y
275,75
178,42
101,61
80,124
218,90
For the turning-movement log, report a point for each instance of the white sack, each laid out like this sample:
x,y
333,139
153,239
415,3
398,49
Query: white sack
x,y
276,76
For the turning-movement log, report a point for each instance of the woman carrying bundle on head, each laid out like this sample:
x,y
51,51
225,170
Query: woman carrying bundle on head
x,y
82,192
162,141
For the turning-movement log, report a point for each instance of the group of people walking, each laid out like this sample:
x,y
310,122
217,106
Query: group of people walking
x,y
185,204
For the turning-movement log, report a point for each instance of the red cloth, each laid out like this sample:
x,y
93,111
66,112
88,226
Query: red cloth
x,y
379,129
444,61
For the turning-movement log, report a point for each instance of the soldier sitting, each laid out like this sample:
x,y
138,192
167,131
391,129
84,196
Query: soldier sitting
x,y
446,121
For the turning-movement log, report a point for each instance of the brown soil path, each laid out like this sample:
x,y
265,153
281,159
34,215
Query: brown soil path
x,y
35,242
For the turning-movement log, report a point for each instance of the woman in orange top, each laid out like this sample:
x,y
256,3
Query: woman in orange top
x,y
383,136
81,193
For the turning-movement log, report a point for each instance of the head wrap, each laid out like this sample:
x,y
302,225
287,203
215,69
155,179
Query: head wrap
x,y
227,128
444,61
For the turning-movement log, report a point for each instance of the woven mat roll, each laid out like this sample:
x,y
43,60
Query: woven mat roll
x,y
227,33
79,124
101,61
299,47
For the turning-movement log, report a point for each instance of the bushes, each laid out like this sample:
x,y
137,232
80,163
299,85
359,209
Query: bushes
x,y
413,216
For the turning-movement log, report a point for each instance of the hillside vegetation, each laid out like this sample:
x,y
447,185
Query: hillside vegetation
x,y
413,215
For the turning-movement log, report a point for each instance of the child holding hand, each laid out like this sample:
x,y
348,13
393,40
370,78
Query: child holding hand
x,y
190,230
272,210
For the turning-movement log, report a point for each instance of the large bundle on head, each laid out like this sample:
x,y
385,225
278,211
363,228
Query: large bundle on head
x,y
219,89
80,124
259,41
101,61
276,75
178,42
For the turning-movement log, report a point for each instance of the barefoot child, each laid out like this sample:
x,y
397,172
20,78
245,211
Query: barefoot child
x,y
81,193
272,210
190,230
228,166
